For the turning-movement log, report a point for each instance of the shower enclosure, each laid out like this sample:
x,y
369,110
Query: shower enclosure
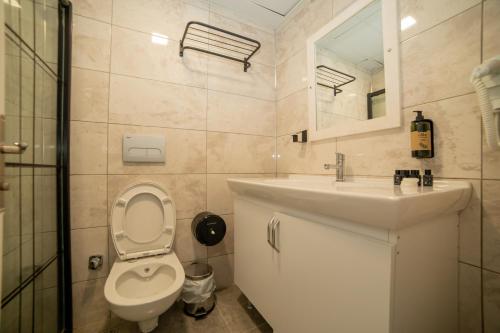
x,y
36,280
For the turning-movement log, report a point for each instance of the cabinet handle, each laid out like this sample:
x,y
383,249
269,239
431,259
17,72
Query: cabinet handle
x,y
275,225
269,231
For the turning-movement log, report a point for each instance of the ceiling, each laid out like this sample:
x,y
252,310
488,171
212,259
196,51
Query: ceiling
x,y
266,13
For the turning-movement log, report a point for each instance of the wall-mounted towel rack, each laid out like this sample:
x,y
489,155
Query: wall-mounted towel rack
x,y
202,37
332,78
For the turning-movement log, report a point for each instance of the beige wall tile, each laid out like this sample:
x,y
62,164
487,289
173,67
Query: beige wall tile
x,y
168,105
390,149
491,225
491,161
469,299
89,304
228,76
491,301
457,140
96,9
427,77
112,254
240,114
491,47
238,153
291,75
303,21
292,113
166,17
305,157
265,55
457,126
491,29
185,151
187,191
88,148
85,243
91,44
223,270
226,246
134,53
219,197
89,201
470,228
89,95
428,13
186,247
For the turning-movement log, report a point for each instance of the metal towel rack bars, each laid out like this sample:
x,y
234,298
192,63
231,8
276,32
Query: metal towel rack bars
x,y
202,37
331,78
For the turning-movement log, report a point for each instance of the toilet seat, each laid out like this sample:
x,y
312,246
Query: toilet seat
x,y
143,222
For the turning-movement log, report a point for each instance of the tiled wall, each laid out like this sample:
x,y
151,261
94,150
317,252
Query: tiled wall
x,y
438,54
218,122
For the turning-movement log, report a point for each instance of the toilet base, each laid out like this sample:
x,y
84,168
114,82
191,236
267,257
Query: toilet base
x,y
149,325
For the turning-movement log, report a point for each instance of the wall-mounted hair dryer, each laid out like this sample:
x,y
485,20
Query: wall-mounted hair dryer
x,y
486,81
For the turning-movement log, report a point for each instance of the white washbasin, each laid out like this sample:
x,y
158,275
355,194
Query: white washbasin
x,y
374,202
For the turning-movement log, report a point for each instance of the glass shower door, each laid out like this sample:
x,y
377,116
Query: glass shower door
x,y
30,279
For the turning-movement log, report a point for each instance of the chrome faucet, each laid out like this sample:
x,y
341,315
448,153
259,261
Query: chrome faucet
x,y
339,166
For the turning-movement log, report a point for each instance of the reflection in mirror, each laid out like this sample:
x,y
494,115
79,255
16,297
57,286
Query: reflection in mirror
x,y
349,71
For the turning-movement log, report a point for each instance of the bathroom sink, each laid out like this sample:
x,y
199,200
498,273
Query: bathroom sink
x,y
374,202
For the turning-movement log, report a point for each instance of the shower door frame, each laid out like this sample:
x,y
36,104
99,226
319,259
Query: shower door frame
x,y
65,302
63,254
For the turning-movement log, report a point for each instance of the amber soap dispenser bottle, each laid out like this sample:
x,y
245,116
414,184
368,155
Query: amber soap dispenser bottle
x,y
422,137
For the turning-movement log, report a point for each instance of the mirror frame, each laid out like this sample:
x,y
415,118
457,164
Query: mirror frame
x,y
392,76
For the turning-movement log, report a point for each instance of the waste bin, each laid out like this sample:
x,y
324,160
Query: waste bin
x,y
198,292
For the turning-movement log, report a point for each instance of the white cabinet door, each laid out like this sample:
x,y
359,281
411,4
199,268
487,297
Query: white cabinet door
x,y
255,271
330,280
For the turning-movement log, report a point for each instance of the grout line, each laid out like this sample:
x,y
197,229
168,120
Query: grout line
x,y
437,100
481,212
110,264
490,271
206,138
170,128
173,83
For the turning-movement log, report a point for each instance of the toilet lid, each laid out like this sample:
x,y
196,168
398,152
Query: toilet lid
x,y
143,222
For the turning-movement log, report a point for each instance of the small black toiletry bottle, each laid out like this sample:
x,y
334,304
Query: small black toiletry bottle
x,y
422,137
416,174
428,178
398,177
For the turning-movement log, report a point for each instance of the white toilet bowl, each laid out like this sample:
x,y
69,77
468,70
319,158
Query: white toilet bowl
x,y
145,288
148,277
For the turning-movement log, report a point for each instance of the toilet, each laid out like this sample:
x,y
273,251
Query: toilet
x,y
147,277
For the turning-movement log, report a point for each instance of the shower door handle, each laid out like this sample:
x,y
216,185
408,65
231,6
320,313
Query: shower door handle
x,y
16,148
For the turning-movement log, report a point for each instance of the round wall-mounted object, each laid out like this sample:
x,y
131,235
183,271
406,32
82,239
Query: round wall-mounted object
x,y
209,229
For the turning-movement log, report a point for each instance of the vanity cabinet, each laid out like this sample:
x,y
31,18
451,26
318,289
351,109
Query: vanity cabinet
x,y
325,276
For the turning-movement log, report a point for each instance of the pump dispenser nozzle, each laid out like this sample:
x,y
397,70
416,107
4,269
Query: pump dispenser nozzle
x,y
419,115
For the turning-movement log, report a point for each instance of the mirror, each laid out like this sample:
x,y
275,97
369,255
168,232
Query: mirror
x,y
353,72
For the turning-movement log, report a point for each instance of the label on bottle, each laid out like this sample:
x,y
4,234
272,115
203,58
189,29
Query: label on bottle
x,y
421,140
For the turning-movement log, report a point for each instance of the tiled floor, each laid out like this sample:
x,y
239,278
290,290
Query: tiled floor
x,y
230,315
